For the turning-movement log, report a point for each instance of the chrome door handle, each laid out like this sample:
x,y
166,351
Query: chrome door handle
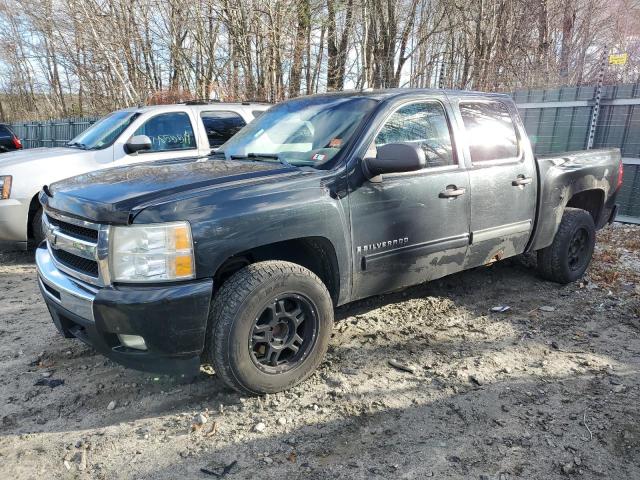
x,y
521,181
451,192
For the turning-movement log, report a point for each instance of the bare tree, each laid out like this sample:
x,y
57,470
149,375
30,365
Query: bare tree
x,y
75,57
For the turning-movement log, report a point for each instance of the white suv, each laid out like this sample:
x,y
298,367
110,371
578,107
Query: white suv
x,y
127,136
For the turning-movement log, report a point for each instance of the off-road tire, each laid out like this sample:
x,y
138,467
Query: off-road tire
x,y
234,310
554,261
36,229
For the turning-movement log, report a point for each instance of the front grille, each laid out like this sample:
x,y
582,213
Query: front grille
x,y
74,230
74,246
82,265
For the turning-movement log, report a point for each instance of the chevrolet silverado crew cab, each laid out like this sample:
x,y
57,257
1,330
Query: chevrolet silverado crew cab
x,y
238,259
127,136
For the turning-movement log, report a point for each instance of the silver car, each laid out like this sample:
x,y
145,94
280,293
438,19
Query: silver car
x,y
123,137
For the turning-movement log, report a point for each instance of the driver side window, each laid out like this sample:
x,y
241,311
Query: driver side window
x,y
424,124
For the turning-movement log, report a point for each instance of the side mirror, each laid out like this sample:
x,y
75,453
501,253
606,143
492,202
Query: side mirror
x,y
395,158
137,144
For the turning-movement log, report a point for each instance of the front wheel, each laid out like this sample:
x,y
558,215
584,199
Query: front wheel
x,y
567,258
270,325
36,228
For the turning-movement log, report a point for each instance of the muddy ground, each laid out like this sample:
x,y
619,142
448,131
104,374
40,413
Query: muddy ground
x,y
548,389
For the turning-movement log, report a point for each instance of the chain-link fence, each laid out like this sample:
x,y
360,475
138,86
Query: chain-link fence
x,y
51,133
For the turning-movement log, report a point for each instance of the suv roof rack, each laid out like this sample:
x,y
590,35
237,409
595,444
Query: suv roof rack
x,y
201,102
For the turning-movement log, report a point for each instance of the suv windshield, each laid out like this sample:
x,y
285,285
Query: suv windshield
x,y
104,132
307,131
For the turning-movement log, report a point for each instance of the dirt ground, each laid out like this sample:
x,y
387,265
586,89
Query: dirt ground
x,y
547,389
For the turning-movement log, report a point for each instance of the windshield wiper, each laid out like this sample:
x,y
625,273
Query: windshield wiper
x,y
256,156
77,144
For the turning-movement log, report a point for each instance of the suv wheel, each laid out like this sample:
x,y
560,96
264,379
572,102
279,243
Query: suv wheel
x,y
567,258
36,228
269,327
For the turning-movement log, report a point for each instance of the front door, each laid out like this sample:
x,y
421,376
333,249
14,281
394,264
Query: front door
x,y
502,178
411,227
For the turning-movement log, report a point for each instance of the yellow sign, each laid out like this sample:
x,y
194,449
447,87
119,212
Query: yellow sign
x,y
618,59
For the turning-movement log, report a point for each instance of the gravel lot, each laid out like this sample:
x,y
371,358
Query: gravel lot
x,y
548,389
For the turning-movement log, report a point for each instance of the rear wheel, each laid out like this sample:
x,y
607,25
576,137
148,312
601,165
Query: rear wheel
x,y
568,257
270,326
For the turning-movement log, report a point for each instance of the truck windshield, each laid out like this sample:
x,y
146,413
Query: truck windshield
x,y
307,131
104,132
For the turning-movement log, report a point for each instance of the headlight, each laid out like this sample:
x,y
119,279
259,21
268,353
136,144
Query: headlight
x,y
5,186
147,253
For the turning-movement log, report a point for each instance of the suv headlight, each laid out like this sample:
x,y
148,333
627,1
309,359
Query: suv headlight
x,y
5,186
155,252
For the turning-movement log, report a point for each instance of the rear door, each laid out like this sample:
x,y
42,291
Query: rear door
x,y
220,125
411,227
502,179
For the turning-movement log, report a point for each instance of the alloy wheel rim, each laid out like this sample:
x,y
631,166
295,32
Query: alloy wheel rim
x,y
284,333
578,247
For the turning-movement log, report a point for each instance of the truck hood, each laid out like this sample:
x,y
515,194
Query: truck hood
x,y
115,194
35,155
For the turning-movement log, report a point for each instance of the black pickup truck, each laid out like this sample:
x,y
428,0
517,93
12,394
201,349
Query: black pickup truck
x,y
238,259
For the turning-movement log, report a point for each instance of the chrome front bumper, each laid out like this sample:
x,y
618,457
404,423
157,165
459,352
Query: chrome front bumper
x,y
72,295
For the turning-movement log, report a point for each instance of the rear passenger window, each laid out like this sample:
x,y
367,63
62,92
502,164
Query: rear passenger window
x,y
490,131
5,132
221,126
424,124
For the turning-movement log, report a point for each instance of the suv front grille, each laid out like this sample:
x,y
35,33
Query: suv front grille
x,y
82,265
74,230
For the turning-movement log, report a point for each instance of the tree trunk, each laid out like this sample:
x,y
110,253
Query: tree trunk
x,y
302,33
568,21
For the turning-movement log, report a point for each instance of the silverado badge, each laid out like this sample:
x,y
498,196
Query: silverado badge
x,y
398,242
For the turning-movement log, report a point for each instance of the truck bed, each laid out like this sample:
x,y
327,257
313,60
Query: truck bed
x,y
561,179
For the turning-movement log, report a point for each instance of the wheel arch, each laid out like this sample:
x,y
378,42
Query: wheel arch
x,y
34,206
591,200
317,254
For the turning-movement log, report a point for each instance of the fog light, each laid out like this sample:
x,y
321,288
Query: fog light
x,y
132,341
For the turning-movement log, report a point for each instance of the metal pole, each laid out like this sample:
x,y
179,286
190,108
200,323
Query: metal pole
x,y
596,107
